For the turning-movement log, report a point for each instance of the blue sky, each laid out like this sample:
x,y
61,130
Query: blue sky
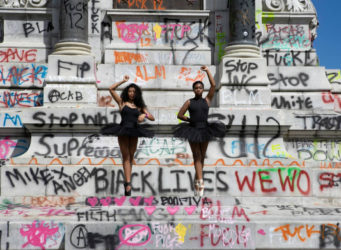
x,y
328,41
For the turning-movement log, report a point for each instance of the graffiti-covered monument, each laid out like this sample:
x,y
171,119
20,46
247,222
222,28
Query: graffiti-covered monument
x,y
272,182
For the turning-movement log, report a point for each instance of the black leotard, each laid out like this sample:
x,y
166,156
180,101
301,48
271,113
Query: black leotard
x,y
199,130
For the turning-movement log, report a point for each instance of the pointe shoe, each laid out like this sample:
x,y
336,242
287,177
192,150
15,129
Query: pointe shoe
x,y
127,193
199,188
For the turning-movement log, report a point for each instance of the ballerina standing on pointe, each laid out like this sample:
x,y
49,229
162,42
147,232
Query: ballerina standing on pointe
x,y
133,110
198,132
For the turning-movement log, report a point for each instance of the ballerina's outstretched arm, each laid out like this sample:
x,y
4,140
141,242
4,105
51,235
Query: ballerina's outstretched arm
x,y
113,92
211,92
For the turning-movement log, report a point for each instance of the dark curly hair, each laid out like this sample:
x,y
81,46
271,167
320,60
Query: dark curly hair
x,y
197,82
138,100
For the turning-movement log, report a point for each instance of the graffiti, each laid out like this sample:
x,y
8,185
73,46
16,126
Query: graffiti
x,y
330,165
300,80
96,214
285,37
158,4
106,101
170,32
265,181
160,147
334,77
242,137
9,205
19,76
12,147
186,74
294,102
39,176
330,235
141,4
134,235
29,28
156,234
319,155
225,236
94,16
159,73
5,145
221,44
77,69
14,99
64,180
127,57
74,12
190,202
11,120
51,119
299,210
131,33
274,57
48,201
220,36
38,233
217,214
317,150
165,28
25,211
79,237
234,96
297,232
245,68
319,122
18,55
106,31
55,96
168,236
328,97
331,179
73,146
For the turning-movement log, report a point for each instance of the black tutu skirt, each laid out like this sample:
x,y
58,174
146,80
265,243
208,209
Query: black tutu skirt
x,y
134,130
200,132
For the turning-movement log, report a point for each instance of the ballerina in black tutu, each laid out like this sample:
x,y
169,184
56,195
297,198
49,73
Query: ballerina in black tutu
x,y
198,131
133,110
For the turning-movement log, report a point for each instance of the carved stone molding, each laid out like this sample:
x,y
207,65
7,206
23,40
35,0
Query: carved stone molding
x,y
313,28
287,5
273,5
23,3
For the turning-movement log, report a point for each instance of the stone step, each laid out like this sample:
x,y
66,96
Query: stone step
x,y
157,223
182,159
162,208
44,234
105,180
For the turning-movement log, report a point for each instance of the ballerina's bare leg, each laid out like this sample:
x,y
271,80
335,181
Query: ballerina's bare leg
x,y
123,142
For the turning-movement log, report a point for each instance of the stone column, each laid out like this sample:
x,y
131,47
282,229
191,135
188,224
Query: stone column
x,y
71,79
242,42
243,71
73,21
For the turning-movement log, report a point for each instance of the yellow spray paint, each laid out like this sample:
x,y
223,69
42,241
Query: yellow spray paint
x,y
157,29
181,230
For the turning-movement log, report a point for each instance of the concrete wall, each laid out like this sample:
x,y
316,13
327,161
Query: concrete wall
x,y
272,182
